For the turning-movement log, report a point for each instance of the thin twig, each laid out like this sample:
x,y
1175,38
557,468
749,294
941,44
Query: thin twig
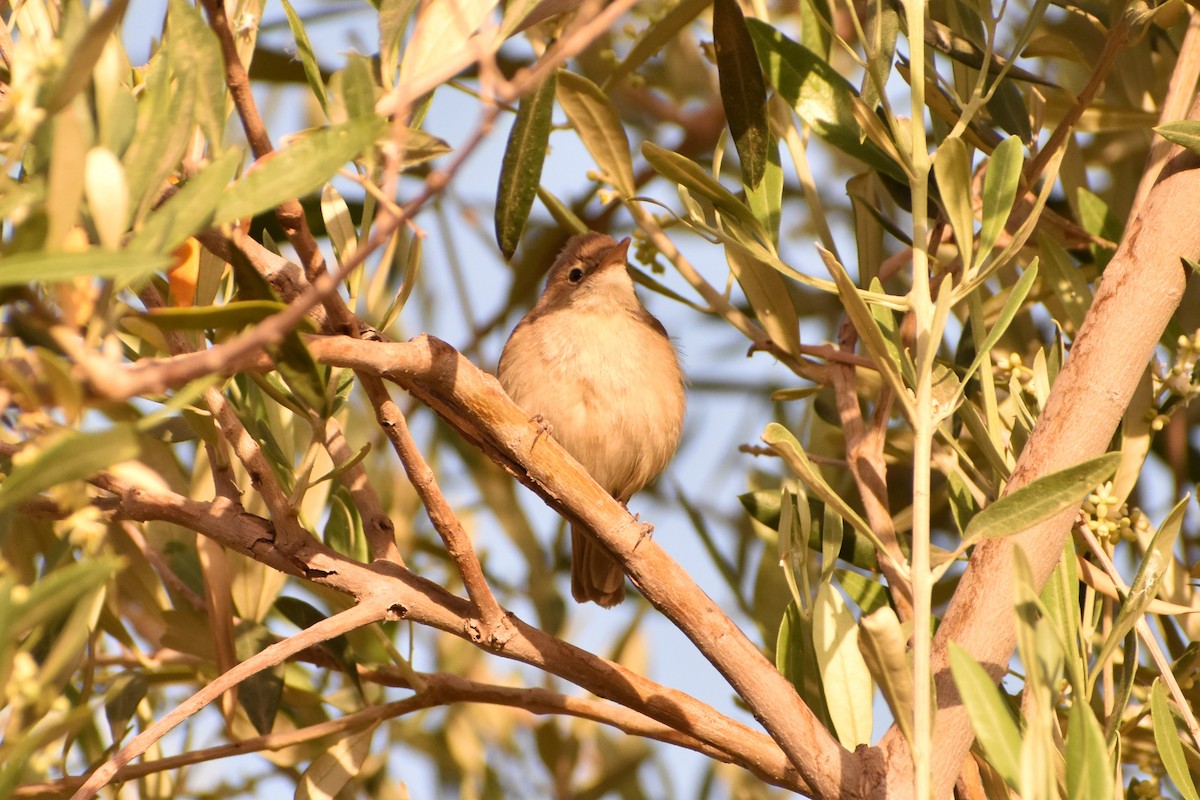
x,y
1147,636
368,610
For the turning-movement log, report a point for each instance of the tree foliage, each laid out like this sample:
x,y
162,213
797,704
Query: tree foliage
x,y
954,238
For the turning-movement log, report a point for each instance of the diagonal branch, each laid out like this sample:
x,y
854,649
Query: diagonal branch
x,y
370,609
1140,290
427,603
477,407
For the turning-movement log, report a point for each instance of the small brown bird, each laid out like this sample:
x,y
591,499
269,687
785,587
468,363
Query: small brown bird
x,y
592,362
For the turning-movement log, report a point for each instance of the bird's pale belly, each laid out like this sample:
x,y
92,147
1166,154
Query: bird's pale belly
x,y
617,407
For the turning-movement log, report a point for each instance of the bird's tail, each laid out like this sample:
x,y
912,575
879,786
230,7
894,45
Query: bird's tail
x,y
595,575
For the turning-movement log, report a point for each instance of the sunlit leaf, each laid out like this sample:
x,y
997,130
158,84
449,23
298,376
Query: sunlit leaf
x,y
72,456
849,690
336,767
304,52
990,716
822,97
953,169
301,167
1166,738
599,127
1089,773
883,646
1045,498
999,190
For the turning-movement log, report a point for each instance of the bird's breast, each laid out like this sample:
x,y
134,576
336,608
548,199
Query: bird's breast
x,y
610,386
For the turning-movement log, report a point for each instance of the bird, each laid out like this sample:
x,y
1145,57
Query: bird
x,y
592,364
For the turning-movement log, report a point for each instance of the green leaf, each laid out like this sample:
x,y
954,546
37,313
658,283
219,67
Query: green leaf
x,y
990,716
1060,596
73,456
766,199
1041,500
189,210
884,649
1185,133
695,179
743,91
796,660
1008,312
43,267
769,296
298,169
166,119
864,322
294,362
1064,278
82,58
304,52
337,766
999,191
259,695
599,127
1089,773
121,702
195,56
1142,590
230,316
849,690
338,223
521,170
952,167
1166,738
822,97
780,439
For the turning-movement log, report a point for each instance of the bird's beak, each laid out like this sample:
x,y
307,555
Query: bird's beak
x,y
619,254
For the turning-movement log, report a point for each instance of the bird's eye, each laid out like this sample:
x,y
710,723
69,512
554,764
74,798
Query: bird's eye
x,y
575,275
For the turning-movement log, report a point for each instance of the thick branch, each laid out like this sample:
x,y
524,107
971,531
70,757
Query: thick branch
x,y
1139,292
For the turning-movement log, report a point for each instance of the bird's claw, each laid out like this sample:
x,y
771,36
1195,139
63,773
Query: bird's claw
x,y
647,530
543,428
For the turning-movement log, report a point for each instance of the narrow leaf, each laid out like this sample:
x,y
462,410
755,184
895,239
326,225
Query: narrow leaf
x,y
304,52
336,767
768,294
743,91
521,171
796,660
1185,133
990,716
849,690
1089,773
780,439
883,646
43,267
1166,738
1041,500
1008,312
599,127
691,175
81,59
189,210
1144,587
999,191
74,456
298,169
818,93
952,166
338,223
